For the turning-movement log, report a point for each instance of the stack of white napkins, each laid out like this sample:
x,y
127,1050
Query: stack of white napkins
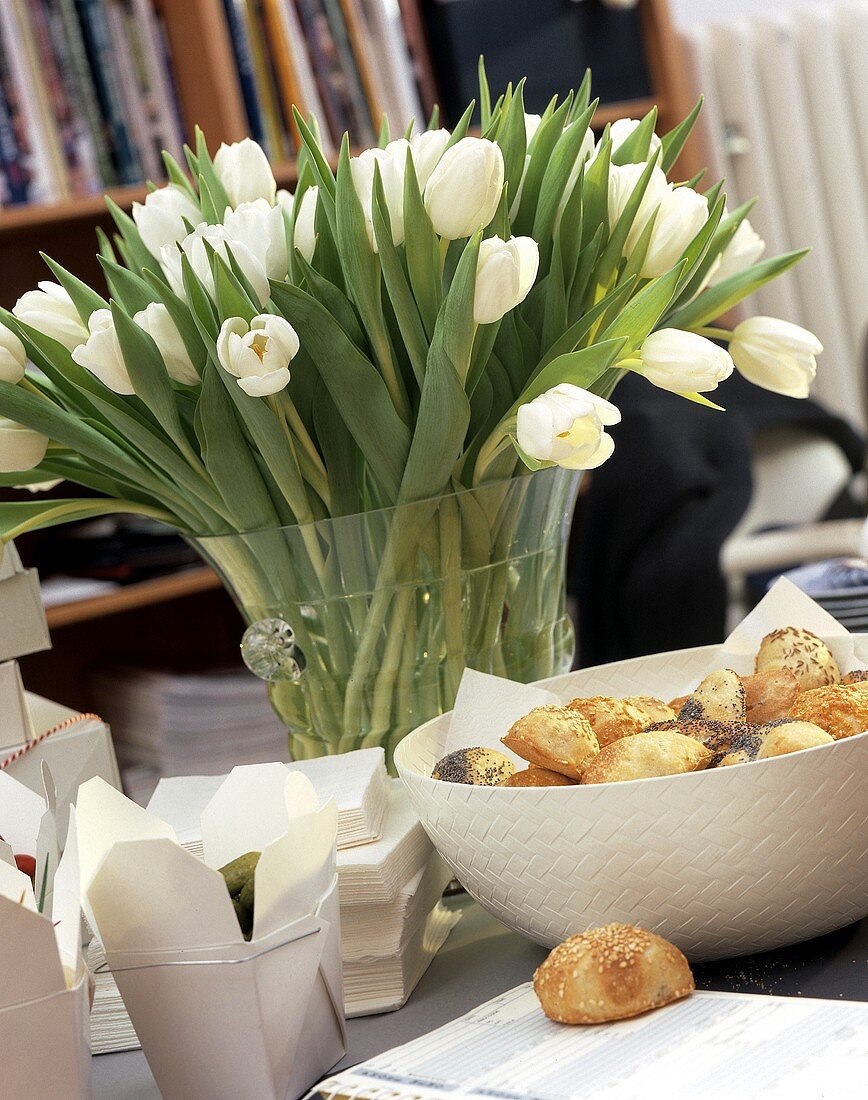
x,y
390,883
204,723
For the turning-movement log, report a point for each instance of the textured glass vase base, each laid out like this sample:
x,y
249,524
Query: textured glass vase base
x,y
363,625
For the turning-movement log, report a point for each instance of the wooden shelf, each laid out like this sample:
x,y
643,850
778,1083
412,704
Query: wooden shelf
x,y
630,108
144,594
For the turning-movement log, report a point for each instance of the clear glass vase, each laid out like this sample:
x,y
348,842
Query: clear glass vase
x,y
363,624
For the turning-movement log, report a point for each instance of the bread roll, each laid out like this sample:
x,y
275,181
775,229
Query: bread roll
x,y
478,767
611,719
719,698
555,738
645,755
792,737
610,973
769,695
537,777
803,653
859,676
840,711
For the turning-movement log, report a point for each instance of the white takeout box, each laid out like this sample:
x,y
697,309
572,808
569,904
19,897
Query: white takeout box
x,y
722,862
217,1016
44,1024
79,748
23,628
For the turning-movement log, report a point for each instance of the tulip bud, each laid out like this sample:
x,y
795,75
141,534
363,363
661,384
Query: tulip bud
x,y
262,230
245,173
304,237
162,218
531,125
193,246
13,356
623,179
565,426
505,272
776,355
744,249
50,310
682,212
621,129
683,362
21,448
258,354
428,148
463,191
158,324
392,163
286,201
102,355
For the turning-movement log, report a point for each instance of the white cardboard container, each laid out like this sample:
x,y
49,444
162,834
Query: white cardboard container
x,y
44,1023
722,863
218,1017
23,628
81,749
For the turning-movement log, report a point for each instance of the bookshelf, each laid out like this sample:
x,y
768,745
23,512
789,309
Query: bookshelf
x,y
187,611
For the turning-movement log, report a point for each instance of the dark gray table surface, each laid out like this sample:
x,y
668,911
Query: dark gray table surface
x,y
482,958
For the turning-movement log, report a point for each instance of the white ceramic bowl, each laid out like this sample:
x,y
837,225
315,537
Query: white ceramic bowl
x,y
722,863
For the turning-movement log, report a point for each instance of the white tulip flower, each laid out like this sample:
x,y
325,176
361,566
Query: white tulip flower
x,y
428,148
193,246
50,310
258,354
101,353
683,362
21,448
161,219
286,201
13,356
304,237
531,125
566,426
744,249
505,272
392,162
262,230
776,355
245,173
621,129
681,213
158,324
463,191
622,183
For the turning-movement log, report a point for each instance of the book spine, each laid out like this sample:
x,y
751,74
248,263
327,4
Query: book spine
x,y
322,54
56,64
98,43
275,144
85,92
362,47
48,171
284,66
310,96
157,73
16,175
137,106
361,129
244,63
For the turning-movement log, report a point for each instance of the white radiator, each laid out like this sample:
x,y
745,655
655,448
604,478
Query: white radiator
x,y
786,119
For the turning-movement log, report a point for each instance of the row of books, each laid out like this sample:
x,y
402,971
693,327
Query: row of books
x,y
343,61
87,97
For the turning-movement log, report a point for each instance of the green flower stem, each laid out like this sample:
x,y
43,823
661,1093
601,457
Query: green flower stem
x,y
59,513
450,570
713,333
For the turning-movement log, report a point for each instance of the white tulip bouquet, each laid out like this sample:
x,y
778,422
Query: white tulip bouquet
x,y
341,394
